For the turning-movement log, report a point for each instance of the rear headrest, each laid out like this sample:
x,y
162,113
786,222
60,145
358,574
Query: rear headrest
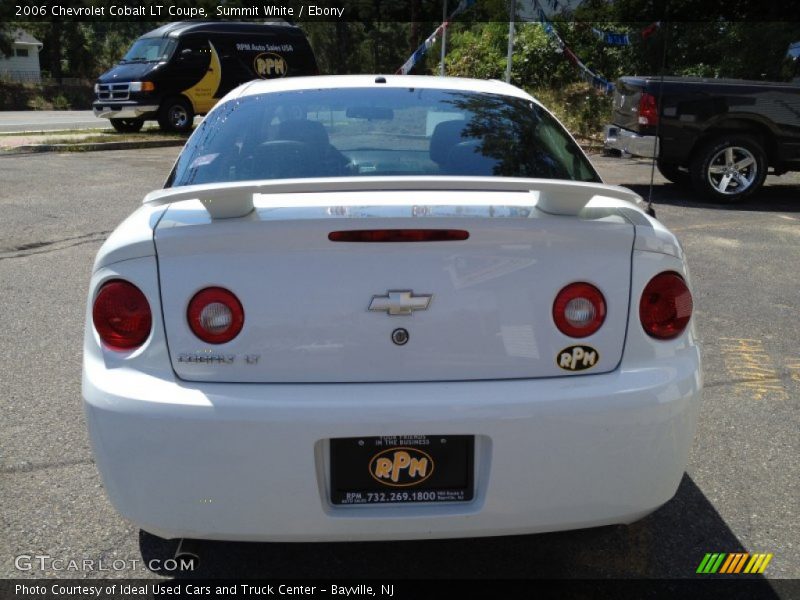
x,y
445,135
301,130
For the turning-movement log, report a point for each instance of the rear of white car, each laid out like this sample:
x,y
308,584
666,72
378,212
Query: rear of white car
x,y
388,357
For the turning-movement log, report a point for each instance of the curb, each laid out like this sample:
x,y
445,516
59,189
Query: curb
x,y
93,147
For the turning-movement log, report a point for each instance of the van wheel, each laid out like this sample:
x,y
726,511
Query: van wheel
x,y
729,168
127,125
672,172
176,114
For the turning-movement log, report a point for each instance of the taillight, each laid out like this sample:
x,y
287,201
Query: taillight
x,y
121,315
579,310
648,109
215,315
666,306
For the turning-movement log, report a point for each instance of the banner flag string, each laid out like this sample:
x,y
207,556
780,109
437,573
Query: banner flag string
x,y
624,39
431,39
586,73
618,39
611,38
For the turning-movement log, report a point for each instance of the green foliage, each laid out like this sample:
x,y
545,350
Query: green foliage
x,y
39,103
60,102
478,52
338,46
84,49
476,48
748,50
578,106
536,61
6,41
109,42
24,96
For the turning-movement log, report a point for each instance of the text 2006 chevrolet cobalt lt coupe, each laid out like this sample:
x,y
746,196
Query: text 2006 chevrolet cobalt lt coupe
x,y
388,308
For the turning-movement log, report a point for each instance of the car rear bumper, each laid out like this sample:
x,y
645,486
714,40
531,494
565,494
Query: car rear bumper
x,y
250,461
629,143
123,110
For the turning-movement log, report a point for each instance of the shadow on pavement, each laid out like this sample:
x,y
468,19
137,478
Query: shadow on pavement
x,y
771,198
669,543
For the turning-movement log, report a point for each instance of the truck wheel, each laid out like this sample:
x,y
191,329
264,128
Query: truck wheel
x,y
176,114
127,125
729,168
673,173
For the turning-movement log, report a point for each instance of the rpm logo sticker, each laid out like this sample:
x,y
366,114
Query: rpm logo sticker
x,y
401,467
577,358
269,65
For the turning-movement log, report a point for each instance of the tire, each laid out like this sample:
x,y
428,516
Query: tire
x,y
127,125
729,168
176,114
673,173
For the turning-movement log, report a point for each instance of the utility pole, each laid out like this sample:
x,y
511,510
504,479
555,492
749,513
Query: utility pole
x,y
512,15
444,35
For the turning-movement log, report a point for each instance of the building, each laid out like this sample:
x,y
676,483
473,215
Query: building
x,y
23,65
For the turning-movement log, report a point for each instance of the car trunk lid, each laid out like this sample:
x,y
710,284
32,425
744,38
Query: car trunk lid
x,y
318,310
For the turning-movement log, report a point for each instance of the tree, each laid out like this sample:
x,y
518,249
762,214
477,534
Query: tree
x,y
84,49
6,39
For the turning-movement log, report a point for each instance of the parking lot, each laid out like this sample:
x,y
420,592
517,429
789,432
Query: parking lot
x,y
740,492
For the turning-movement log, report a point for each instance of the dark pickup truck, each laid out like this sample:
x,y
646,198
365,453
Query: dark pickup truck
x,y
722,135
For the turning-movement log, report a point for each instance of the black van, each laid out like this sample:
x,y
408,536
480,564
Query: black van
x,y
791,66
182,69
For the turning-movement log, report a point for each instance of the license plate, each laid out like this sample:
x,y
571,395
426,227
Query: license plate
x,y
402,469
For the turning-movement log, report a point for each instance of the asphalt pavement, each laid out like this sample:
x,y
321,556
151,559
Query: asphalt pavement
x,y
740,492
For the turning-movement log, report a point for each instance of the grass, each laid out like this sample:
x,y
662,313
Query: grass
x,y
81,140
51,132
92,131
99,138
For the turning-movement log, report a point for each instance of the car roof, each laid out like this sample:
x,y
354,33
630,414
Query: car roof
x,y
319,82
179,28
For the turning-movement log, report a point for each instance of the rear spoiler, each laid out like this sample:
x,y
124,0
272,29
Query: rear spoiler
x,y
235,199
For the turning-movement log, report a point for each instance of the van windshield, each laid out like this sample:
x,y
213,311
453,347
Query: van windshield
x,y
791,64
150,50
379,131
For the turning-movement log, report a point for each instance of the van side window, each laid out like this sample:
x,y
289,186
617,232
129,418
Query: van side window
x,y
195,50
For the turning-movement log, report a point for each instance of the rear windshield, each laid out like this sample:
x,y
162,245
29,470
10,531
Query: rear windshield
x,y
378,131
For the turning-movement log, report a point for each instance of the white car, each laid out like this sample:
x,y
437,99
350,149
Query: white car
x,y
368,308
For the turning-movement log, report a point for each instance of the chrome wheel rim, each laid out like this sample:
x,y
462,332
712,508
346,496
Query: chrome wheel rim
x,y
178,116
732,170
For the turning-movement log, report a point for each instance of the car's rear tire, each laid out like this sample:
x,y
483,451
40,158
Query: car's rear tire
x,y
176,114
127,125
673,172
729,168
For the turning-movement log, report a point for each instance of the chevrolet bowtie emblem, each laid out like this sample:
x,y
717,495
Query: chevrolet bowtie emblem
x,y
400,302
